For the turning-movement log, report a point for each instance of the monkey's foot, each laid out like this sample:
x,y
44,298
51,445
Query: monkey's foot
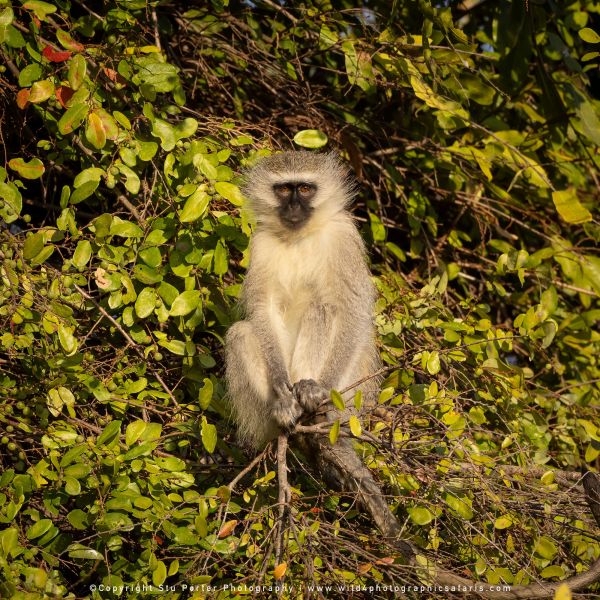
x,y
286,411
309,394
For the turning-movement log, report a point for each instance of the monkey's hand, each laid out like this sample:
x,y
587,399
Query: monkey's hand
x,y
286,409
309,394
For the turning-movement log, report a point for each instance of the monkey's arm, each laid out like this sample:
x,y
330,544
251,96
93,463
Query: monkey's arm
x,y
270,331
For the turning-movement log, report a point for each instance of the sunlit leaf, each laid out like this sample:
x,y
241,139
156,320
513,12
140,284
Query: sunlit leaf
x,y
29,170
310,138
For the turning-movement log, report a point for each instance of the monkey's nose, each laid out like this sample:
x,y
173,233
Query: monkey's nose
x,y
295,208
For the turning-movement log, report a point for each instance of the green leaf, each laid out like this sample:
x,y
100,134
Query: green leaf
x,y
38,529
85,190
11,202
204,165
82,552
67,340
82,254
386,394
39,8
140,450
33,245
77,71
78,519
589,35
146,302
311,138
590,123
220,262
553,571
132,181
460,505
569,208
7,16
503,522
166,132
159,574
377,228
209,436
230,192
73,118
194,207
9,541
94,131
337,400
58,398
41,91
174,346
125,229
185,303
89,174
147,150
152,257
355,426
110,432
433,363
358,400
43,256
545,547
28,170
170,134
334,433
205,394
29,74
72,486
66,41
327,37
111,129
549,330
420,515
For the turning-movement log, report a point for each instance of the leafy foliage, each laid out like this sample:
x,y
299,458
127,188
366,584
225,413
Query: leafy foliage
x,y
474,133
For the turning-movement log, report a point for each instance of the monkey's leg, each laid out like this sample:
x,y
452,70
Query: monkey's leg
x,y
259,409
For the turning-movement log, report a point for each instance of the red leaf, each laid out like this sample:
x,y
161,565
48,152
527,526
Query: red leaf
x,y
63,94
55,55
66,41
23,98
227,529
114,76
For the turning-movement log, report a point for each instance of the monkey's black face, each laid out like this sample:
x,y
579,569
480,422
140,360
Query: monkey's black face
x,y
294,202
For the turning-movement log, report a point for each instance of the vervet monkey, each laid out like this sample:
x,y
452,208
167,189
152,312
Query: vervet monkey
x,y
307,297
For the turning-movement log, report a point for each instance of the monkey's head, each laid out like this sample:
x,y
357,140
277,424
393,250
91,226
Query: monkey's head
x,y
291,189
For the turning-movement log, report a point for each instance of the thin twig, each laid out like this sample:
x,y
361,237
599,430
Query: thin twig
x,y
155,24
249,468
285,494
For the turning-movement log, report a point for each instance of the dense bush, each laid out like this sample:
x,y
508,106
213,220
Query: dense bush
x,y
474,134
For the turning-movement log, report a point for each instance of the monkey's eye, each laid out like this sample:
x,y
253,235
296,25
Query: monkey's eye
x,y
306,190
283,190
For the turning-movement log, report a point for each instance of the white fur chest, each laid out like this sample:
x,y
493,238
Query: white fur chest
x,y
299,271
